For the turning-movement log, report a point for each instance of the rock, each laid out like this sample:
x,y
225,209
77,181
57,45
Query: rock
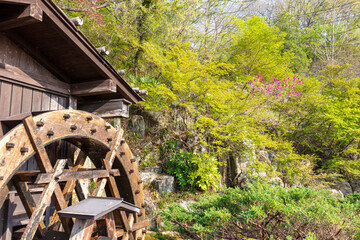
x,y
237,168
151,211
240,181
355,185
172,235
271,155
337,193
164,183
344,187
137,125
185,203
155,169
264,157
277,180
137,158
147,178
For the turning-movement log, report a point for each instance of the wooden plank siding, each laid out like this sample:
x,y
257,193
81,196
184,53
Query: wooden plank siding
x,y
13,55
16,99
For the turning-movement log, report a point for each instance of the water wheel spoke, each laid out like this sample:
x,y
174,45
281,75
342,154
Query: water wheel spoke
x,y
44,201
115,192
68,189
45,166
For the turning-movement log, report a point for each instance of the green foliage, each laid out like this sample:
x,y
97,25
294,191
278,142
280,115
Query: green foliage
x,y
195,58
268,212
194,171
324,122
295,41
258,49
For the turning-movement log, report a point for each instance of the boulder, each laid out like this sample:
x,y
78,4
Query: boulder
x,y
264,157
155,169
151,211
337,193
271,155
344,187
164,183
147,178
137,125
355,185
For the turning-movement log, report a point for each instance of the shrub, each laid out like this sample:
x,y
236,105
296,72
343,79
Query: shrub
x,y
268,212
194,171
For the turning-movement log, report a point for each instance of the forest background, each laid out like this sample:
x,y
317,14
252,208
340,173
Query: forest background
x,y
277,75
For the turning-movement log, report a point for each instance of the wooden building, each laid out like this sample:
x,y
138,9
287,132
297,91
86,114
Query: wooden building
x,y
47,64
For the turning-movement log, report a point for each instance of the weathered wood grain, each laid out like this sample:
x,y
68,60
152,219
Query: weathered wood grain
x,y
88,225
93,88
107,108
45,199
36,100
26,100
21,16
28,202
33,80
16,100
44,164
55,122
5,100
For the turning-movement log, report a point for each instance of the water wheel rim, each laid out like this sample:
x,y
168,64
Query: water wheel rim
x,y
74,126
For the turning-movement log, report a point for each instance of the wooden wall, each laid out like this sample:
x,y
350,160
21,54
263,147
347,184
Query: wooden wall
x,y
16,99
29,94
13,55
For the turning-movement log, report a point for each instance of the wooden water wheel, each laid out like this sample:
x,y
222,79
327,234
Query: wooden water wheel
x,y
114,174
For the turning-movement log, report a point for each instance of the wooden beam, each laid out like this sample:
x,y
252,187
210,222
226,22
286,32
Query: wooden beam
x,y
140,225
70,33
68,189
20,16
18,2
71,176
115,192
40,178
107,108
18,76
10,212
93,88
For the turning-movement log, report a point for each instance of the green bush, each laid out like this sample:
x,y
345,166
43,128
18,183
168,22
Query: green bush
x,y
194,171
268,212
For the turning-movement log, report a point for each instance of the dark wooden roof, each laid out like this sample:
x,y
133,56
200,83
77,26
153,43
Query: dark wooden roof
x,y
46,34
